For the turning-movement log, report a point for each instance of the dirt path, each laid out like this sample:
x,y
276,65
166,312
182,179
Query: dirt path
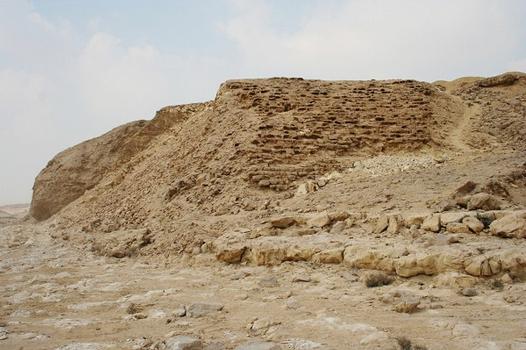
x,y
53,296
461,133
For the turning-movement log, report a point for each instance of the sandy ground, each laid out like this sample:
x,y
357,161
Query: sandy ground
x,y
54,296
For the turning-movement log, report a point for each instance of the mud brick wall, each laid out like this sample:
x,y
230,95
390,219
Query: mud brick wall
x,y
306,125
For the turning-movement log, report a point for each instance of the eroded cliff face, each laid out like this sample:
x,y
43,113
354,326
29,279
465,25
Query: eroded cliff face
x,y
78,169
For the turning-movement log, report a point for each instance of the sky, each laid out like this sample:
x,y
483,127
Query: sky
x,y
71,70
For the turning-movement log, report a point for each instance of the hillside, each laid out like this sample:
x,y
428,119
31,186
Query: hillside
x,y
258,141
284,214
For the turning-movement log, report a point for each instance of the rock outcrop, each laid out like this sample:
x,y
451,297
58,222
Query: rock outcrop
x,y
78,169
262,143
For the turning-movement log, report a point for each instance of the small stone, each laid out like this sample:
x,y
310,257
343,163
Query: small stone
x,y
140,343
292,304
431,223
394,225
473,224
157,314
242,296
468,292
301,278
239,275
446,204
269,282
411,219
381,224
338,227
283,222
452,239
465,189
407,306
448,218
180,311
183,343
133,309
509,226
202,309
231,254
319,220
350,276
80,346
307,187
260,327
457,227
140,316
259,345
482,266
455,280
215,346
301,344
377,279
506,279
332,256
375,337
3,333
483,201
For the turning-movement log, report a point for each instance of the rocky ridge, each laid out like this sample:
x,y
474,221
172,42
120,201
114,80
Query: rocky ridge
x,y
265,138
284,214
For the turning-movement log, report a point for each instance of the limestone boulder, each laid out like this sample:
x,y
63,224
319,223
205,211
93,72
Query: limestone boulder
x,y
283,222
337,216
183,342
339,227
267,254
431,223
331,256
231,253
259,345
455,280
319,220
428,263
203,309
483,201
395,224
410,219
381,224
513,261
457,227
483,266
452,217
473,224
299,253
361,257
510,226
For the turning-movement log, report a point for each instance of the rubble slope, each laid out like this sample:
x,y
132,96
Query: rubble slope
x,y
191,169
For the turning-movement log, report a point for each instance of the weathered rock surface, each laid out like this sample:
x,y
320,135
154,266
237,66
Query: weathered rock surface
x,y
122,243
483,201
183,343
510,226
78,169
288,201
432,223
203,309
259,345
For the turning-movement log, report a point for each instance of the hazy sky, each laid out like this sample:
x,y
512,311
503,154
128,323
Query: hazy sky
x,y
71,70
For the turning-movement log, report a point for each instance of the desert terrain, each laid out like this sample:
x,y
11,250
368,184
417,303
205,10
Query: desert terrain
x,y
284,214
